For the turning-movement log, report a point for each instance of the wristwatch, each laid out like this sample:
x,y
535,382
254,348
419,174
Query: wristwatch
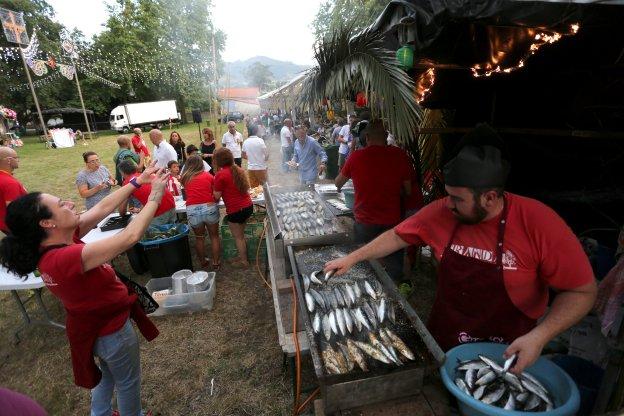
x,y
134,182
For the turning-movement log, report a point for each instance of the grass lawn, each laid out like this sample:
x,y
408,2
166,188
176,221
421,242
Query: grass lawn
x,y
235,344
54,170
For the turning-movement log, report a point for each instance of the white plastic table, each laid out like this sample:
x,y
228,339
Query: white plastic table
x,y
13,283
181,204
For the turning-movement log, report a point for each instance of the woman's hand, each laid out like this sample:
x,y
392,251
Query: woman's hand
x,y
146,176
159,182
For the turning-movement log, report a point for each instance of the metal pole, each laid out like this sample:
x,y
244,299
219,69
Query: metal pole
x,y
84,111
213,107
32,90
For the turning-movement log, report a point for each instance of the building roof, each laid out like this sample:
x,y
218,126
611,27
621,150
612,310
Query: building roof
x,y
239,94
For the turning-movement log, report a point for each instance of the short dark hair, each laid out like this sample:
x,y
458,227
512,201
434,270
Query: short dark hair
x,y
85,155
253,129
191,148
127,167
171,163
306,123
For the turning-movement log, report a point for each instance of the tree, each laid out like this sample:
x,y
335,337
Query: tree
x,y
259,75
333,14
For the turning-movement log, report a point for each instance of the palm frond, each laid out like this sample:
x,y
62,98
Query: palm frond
x,y
349,63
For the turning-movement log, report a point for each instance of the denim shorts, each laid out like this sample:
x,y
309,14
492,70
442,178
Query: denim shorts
x,y
202,214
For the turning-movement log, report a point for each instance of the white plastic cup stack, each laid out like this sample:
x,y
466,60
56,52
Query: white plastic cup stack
x,y
178,281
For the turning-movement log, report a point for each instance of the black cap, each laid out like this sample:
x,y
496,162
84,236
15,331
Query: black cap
x,y
477,167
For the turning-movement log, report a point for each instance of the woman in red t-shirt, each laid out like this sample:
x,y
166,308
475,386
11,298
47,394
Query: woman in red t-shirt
x,y
201,210
232,184
44,234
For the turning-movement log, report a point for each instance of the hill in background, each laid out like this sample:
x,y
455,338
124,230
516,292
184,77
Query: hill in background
x,y
282,70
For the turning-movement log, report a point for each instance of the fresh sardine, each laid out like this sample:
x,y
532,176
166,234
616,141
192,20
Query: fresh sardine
x,y
370,314
329,274
341,322
306,282
522,397
494,395
381,310
361,318
471,378
356,355
513,380
348,321
332,299
533,388
326,327
316,323
399,344
369,290
357,290
478,393
483,369
532,403
332,322
493,365
372,352
486,379
339,297
315,279
510,362
511,403
309,302
462,385
358,323
350,294
318,298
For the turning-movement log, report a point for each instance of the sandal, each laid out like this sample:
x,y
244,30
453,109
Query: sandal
x,y
216,267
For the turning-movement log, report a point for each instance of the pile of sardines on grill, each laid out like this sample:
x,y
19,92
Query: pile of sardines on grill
x,y
302,215
350,317
487,381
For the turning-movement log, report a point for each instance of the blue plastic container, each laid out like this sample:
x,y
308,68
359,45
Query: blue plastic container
x,y
558,383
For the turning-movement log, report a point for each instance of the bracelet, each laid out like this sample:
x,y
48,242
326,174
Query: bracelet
x,y
134,182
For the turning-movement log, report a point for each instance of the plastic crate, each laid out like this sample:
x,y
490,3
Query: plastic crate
x,y
184,302
230,251
253,228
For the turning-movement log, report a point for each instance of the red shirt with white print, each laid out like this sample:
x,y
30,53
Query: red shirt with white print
x,y
539,249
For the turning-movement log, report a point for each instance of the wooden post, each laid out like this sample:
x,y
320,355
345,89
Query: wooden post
x,y
84,111
32,90
213,108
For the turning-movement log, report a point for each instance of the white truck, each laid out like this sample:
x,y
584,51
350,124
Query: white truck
x,y
125,117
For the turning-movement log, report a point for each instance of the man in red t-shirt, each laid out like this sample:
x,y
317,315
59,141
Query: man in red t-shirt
x,y
140,148
499,253
166,212
378,196
10,188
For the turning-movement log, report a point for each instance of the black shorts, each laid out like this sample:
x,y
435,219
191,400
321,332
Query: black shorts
x,y
239,217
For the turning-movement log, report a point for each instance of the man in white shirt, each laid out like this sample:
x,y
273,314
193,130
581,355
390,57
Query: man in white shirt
x,y
257,154
233,140
286,137
344,138
163,151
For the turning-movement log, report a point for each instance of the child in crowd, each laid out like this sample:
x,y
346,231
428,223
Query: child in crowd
x,y
173,183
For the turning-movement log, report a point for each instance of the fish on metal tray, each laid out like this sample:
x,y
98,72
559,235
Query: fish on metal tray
x,y
326,327
317,298
316,323
372,352
370,314
356,355
381,347
314,278
345,353
381,310
347,318
306,282
361,318
399,344
358,323
331,365
339,298
388,344
309,301
332,322
368,288
341,322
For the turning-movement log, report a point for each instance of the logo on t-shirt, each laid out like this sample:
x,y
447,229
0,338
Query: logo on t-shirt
x,y
509,259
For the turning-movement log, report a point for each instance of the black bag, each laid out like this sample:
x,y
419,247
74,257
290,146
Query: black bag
x,y
146,301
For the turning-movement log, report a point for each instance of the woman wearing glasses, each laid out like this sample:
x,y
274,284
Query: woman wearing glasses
x,y
94,181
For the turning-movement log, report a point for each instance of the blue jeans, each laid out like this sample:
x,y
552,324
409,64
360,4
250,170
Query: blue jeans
x,y
118,354
287,155
167,217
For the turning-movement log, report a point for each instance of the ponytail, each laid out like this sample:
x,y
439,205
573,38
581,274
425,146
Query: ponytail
x,y
241,181
19,250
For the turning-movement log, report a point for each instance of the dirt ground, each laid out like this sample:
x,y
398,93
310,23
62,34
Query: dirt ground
x,y
233,348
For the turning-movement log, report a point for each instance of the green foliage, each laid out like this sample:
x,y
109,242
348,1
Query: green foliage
x,y
348,63
259,75
333,14
154,49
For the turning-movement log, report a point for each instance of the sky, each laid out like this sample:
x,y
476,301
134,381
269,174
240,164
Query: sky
x,y
279,29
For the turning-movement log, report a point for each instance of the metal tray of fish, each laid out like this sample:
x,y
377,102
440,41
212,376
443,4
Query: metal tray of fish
x,y
300,217
367,343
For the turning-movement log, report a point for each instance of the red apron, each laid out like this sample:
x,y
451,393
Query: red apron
x,y
471,302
